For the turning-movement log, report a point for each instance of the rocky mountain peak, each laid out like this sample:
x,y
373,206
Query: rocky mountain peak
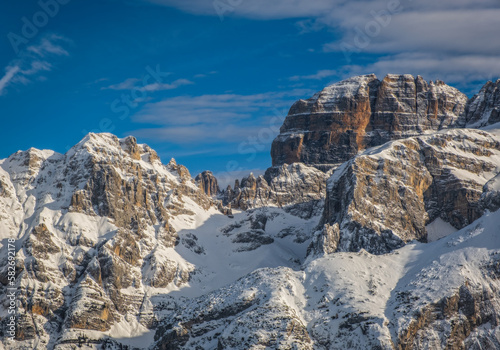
x,y
362,112
208,183
181,171
107,147
334,93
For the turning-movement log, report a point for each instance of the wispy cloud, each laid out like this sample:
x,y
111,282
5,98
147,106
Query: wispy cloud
x,y
215,119
10,73
135,83
448,40
173,85
321,74
256,9
144,85
127,84
454,30
33,62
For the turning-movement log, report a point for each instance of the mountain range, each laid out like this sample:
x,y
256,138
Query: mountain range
x,y
376,227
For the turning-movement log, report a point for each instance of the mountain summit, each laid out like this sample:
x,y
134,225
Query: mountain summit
x,y
361,112
377,227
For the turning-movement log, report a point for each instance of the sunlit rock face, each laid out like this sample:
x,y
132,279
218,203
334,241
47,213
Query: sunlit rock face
x,y
208,183
297,188
93,229
361,112
386,196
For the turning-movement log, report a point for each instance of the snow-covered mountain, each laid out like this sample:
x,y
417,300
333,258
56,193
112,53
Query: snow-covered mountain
x,y
398,247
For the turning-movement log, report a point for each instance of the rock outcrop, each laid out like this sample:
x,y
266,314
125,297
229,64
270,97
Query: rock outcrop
x,y
386,196
297,188
484,108
208,183
490,199
362,112
98,221
250,320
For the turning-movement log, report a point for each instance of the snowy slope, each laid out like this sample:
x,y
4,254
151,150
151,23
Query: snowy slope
x,y
349,300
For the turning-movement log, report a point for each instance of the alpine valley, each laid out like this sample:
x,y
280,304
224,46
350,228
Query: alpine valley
x,y
376,227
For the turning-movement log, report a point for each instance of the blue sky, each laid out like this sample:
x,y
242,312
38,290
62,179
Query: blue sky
x,y
210,82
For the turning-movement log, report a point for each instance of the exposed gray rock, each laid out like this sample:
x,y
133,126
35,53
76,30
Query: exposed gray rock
x,y
297,188
490,199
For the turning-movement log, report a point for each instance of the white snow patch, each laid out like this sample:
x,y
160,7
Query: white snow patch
x,y
439,229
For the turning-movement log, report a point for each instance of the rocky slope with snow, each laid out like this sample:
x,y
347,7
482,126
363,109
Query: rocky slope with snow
x,y
386,196
296,188
396,248
484,108
104,229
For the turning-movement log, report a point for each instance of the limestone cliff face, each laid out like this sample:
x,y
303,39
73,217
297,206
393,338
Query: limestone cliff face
x,y
361,112
386,196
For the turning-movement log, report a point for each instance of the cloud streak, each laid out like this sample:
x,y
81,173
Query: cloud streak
x,y
33,62
255,9
135,83
215,119
319,75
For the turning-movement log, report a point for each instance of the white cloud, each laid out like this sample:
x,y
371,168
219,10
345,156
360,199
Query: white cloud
x,y
127,84
32,62
10,73
455,31
174,85
257,9
187,110
448,40
48,45
207,133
